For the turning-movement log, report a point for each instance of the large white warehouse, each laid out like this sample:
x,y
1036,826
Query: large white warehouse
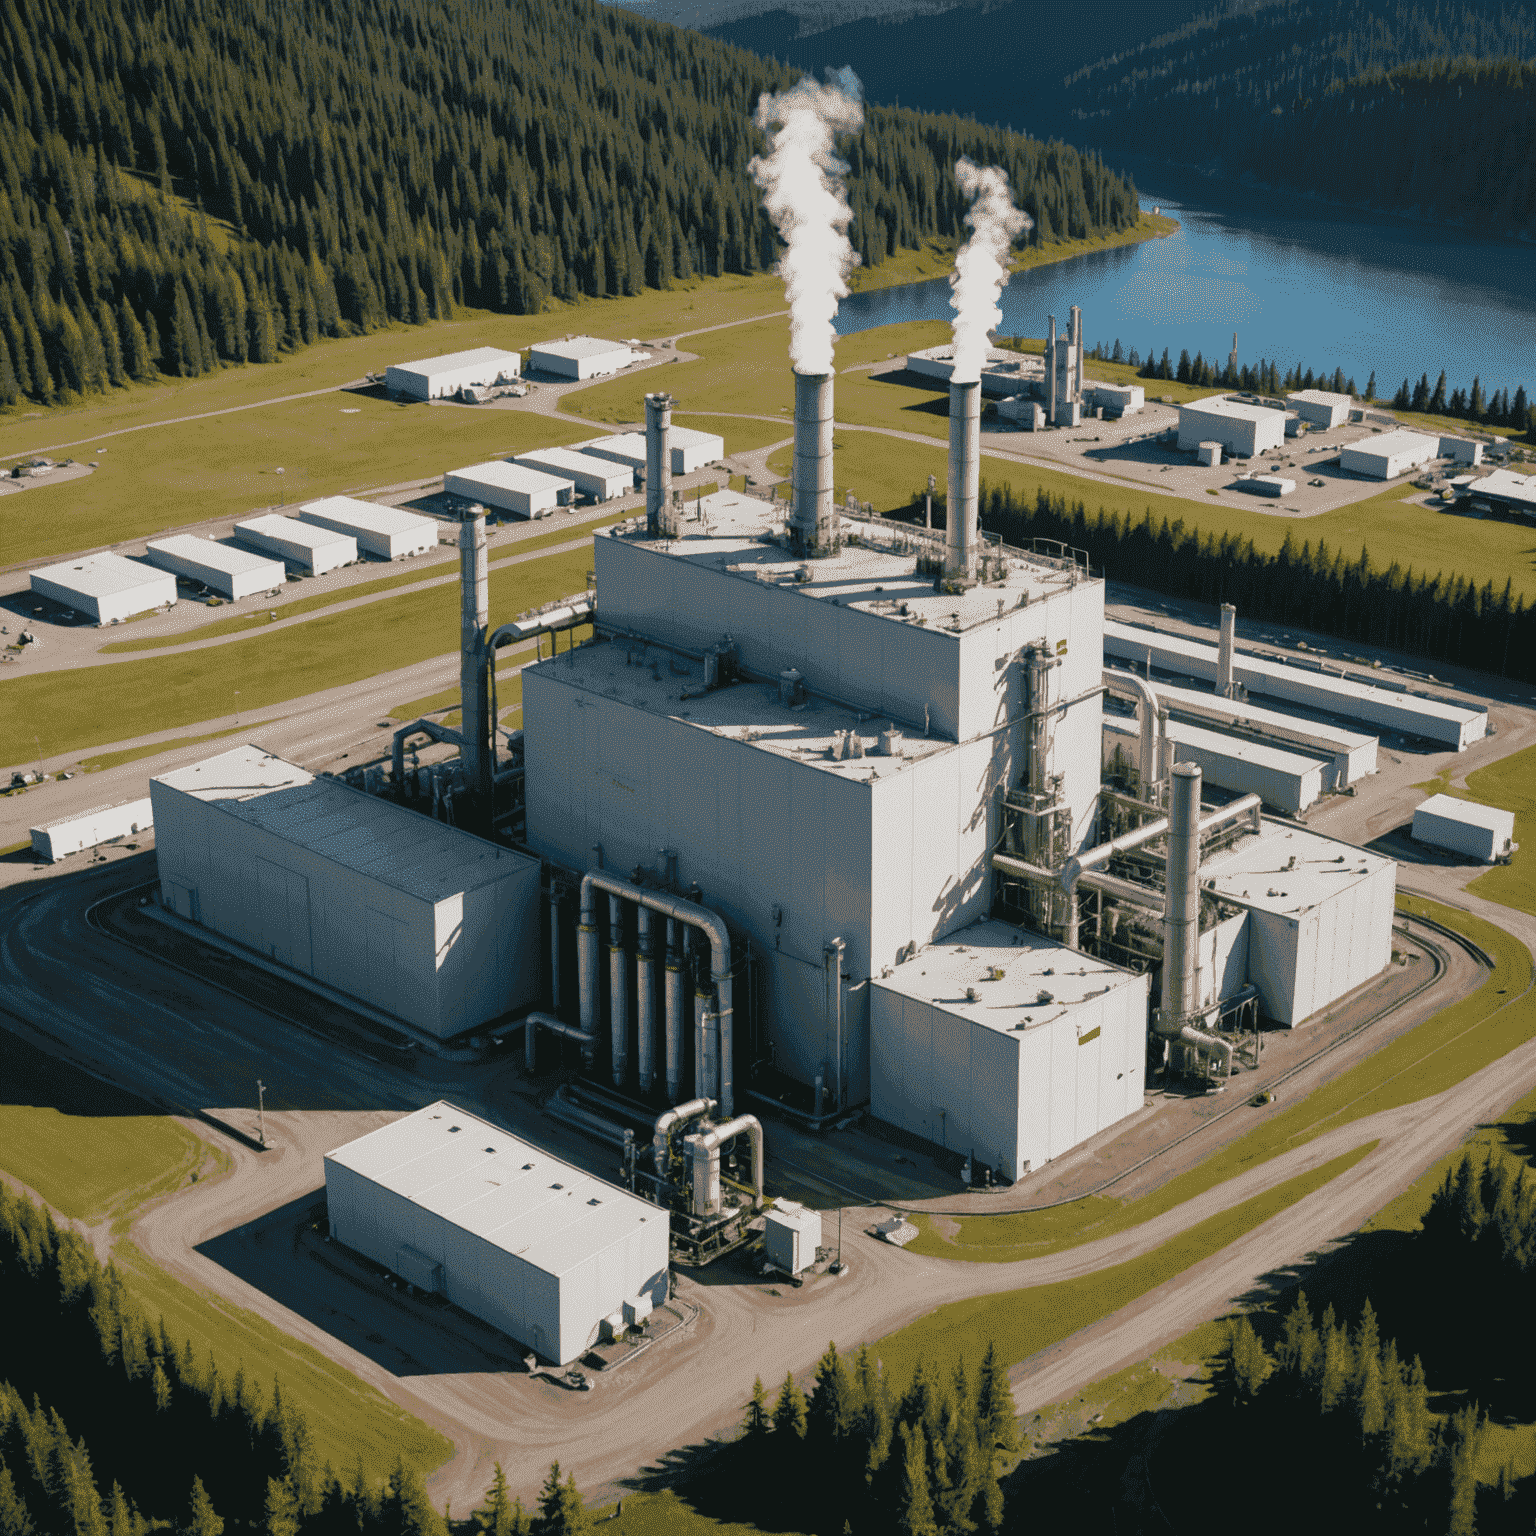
x,y
1390,455
230,571
690,450
510,488
581,357
601,479
426,923
433,377
1320,407
532,1245
307,548
106,587
1242,429
1482,832
388,532
104,824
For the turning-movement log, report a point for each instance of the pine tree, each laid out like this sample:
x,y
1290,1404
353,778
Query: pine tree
x,y
832,1409
202,1519
561,1511
915,1514
789,1415
996,1423
282,1510
1462,1434
759,1418
14,1520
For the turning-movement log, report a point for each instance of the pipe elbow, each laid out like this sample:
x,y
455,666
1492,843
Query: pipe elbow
x,y
1069,873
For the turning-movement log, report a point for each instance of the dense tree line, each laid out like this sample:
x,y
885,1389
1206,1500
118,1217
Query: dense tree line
x,y
1444,618
188,185
1423,107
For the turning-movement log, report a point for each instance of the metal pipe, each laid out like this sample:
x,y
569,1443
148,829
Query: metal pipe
x,y
703,1076
645,1000
1165,750
561,1108
1077,352
960,531
673,990
717,1135
537,1021
1203,1040
618,994
1111,885
679,1114
478,750
1224,650
1127,685
1181,897
554,948
658,460
1091,858
586,960
811,523
832,982
1050,372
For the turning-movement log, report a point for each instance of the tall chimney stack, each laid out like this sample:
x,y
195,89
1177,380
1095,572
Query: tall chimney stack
x,y
1225,649
478,752
658,460
812,523
1050,373
960,536
1181,909
1077,352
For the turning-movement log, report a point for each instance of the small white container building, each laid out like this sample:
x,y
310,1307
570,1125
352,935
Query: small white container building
x,y
1209,454
1390,455
407,914
431,378
307,548
1275,486
106,587
1320,407
105,824
511,488
1461,450
1000,1044
1481,832
1242,428
791,1236
580,357
387,532
534,1246
601,479
1115,399
227,569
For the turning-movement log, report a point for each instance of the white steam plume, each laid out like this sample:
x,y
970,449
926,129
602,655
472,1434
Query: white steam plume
x,y
981,266
802,184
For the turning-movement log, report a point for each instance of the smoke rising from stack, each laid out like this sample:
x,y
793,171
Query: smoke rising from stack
x,y
981,266
802,182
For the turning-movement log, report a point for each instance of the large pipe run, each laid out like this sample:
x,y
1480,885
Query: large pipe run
x,y
537,1021
679,1114
1225,649
658,460
554,948
673,1001
1138,690
478,749
1050,373
645,1000
716,1136
618,994
811,526
960,533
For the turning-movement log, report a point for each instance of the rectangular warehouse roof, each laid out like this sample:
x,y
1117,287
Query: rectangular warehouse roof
x,y
349,515
451,361
590,472
1504,485
488,1182
578,347
104,575
281,529
621,448
1238,410
511,477
1287,870
1375,452
1470,813
1320,397
225,559
377,838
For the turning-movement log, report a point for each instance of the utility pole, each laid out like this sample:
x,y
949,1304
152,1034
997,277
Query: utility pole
x,y
261,1112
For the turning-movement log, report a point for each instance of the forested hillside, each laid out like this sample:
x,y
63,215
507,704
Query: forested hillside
x,y
194,183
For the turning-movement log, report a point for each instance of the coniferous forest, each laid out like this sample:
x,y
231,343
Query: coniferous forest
x,y
189,185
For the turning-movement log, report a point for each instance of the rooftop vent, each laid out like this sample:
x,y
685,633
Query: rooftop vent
x,y
557,1186
453,1128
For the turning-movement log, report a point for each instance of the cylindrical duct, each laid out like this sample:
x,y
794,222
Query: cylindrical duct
x,y
964,478
1165,748
645,1000
618,994
1077,351
703,1082
1225,649
658,460
1181,909
674,1009
474,681
554,949
811,525
586,961
1050,372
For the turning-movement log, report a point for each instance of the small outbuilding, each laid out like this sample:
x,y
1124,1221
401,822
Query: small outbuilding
x,y
1320,407
310,550
1209,453
104,824
1504,490
433,378
1390,455
579,357
1461,450
1242,428
511,488
1481,832
227,569
1268,485
791,1236
461,1209
106,587
601,479
387,532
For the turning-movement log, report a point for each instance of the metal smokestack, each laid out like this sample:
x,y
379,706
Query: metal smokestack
x,y
478,752
1050,373
1077,351
658,460
811,527
960,535
1181,910
1225,650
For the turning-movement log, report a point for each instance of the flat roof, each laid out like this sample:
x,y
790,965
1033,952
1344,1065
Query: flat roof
x,y
630,444
1507,486
102,575
278,526
1253,873
1334,736
229,558
1219,405
1040,981
452,360
1401,441
488,1182
580,346
741,535
1469,812
368,515
377,838
1236,748
569,458
693,437
750,713
511,477
1321,397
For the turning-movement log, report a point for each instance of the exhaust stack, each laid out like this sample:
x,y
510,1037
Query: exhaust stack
x,y
1050,372
812,525
1225,649
478,750
960,535
658,460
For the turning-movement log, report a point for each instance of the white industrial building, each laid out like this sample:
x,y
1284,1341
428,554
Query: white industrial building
x,y
511,488
432,378
1003,373
387,532
1390,455
579,357
308,549
601,479
1209,454
90,829
462,1209
690,450
1242,428
1481,832
426,923
1001,1044
106,587
1269,485
1320,407
1461,450
230,571
791,1236
1504,490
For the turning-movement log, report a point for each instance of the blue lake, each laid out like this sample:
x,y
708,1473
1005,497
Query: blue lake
x,y
1297,280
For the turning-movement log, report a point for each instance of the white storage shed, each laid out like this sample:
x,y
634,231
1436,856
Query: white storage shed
x,y
1390,455
1482,832
1320,407
534,1246
106,587
433,377
105,824
388,532
1005,1046
1242,428
511,488
227,569
301,545
791,1236
411,916
1269,485
1209,454
601,479
580,357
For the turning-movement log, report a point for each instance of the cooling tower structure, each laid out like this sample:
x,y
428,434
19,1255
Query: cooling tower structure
x,y
813,526
960,535
658,460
